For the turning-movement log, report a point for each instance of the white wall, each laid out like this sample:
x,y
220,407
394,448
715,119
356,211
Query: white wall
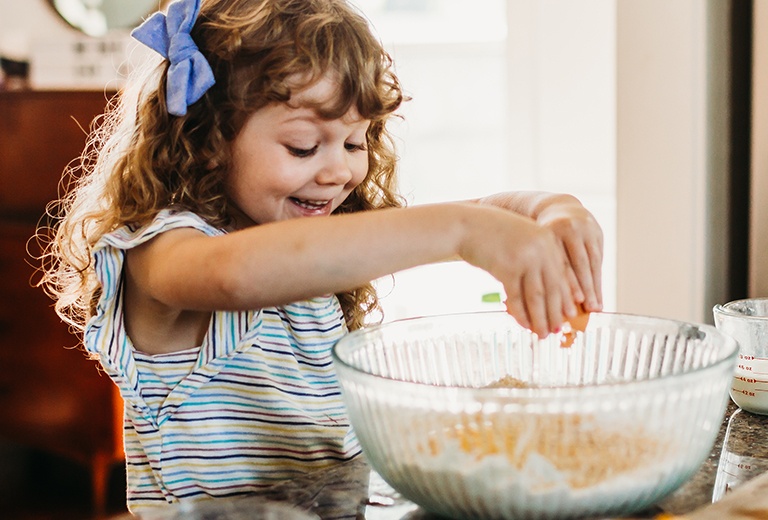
x,y
23,21
666,163
661,85
61,57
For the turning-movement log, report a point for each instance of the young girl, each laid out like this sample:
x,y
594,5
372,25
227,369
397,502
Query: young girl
x,y
226,232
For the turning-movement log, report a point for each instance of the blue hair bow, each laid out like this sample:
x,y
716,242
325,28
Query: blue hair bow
x,y
190,74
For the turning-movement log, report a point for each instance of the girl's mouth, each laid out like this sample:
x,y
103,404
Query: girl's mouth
x,y
311,205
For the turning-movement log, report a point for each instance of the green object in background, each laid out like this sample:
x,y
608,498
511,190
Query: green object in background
x,y
493,297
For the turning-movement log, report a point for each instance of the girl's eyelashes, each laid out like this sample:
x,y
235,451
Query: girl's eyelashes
x,y
352,147
308,152
301,152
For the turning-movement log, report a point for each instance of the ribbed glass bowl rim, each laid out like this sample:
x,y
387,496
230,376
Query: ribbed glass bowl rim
x,y
728,310
727,355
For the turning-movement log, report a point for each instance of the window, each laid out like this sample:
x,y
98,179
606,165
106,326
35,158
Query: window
x,y
494,108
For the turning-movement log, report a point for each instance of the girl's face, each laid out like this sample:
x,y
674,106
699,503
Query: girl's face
x,y
288,162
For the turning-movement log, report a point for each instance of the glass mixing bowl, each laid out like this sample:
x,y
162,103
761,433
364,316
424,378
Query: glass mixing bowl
x,y
473,416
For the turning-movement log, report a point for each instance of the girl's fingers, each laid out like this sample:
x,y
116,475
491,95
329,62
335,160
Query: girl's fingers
x,y
516,306
541,303
575,286
544,303
596,265
582,269
535,308
555,304
586,266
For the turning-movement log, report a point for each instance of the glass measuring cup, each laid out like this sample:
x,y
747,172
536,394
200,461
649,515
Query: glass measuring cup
x,y
744,454
746,321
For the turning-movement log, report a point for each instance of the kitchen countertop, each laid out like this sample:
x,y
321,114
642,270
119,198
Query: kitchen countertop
x,y
739,454
353,491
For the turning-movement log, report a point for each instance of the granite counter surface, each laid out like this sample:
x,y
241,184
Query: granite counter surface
x,y
353,491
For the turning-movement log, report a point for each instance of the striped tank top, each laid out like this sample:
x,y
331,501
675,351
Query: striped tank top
x,y
257,403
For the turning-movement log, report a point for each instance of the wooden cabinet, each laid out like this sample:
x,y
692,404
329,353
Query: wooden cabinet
x,y
51,395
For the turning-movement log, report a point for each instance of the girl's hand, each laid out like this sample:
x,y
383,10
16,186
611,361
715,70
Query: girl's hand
x,y
581,238
531,263
577,231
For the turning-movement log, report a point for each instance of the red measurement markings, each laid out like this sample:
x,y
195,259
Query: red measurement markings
x,y
752,380
750,368
749,393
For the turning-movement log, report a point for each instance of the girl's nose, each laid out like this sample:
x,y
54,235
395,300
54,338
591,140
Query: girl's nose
x,y
337,169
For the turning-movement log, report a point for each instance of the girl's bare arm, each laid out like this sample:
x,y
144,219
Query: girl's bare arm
x,y
292,260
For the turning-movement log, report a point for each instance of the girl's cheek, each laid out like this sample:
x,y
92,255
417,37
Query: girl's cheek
x,y
362,171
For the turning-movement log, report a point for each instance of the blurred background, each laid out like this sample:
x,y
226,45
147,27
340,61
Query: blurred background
x,y
653,113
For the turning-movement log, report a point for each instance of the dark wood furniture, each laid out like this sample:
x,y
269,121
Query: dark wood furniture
x,y
52,397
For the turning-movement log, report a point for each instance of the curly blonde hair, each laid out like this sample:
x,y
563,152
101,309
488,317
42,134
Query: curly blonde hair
x,y
140,159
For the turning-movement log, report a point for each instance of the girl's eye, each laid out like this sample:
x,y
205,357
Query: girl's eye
x,y
301,152
351,147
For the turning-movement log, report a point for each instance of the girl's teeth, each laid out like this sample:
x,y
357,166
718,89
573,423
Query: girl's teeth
x,y
311,204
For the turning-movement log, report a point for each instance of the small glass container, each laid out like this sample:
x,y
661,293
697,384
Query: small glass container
x,y
746,321
744,454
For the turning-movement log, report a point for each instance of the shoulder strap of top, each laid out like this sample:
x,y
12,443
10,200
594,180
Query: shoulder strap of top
x,y
104,333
